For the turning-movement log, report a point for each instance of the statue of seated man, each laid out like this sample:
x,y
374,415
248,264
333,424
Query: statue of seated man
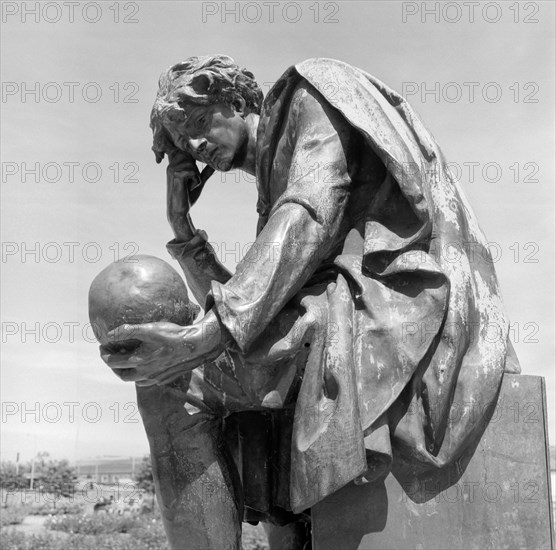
x,y
365,314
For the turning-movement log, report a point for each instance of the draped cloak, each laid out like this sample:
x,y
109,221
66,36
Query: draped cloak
x,y
380,296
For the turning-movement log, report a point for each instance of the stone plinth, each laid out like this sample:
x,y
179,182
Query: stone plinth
x,y
501,499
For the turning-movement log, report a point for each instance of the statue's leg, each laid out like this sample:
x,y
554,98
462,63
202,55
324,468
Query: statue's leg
x,y
197,485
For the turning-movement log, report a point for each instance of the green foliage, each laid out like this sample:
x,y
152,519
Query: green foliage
x,y
253,537
13,515
148,537
99,532
10,477
144,475
61,508
12,540
151,535
92,525
105,532
15,540
56,476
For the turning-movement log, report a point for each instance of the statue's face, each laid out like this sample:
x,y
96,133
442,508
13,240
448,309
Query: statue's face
x,y
216,135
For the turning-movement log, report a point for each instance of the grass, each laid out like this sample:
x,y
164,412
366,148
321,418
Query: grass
x,y
13,540
95,531
12,516
97,524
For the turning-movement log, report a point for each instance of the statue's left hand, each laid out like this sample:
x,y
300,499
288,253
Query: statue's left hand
x,y
167,350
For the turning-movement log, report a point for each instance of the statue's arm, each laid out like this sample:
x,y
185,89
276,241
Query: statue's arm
x,y
190,247
304,226
304,229
199,263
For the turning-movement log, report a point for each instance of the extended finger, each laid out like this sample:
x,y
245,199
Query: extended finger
x,y
131,332
146,383
115,359
127,360
129,375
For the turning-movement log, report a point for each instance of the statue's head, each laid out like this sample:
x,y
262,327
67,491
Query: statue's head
x,y
204,98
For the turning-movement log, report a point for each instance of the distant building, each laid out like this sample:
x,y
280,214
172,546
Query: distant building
x,y
108,469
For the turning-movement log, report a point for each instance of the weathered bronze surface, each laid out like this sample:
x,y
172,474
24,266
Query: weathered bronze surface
x,y
374,317
140,289
194,476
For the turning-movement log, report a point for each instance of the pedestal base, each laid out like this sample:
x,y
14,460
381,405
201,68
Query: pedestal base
x,y
502,500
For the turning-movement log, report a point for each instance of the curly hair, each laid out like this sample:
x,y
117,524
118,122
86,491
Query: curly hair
x,y
198,81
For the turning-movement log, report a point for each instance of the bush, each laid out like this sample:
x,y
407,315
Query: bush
x,y
63,508
14,540
13,515
105,532
254,537
92,525
146,534
150,535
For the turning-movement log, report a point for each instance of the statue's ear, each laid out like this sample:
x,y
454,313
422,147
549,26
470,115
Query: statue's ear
x,y
240,104
201,84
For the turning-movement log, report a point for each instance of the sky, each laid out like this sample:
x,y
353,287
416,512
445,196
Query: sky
x,y
80,187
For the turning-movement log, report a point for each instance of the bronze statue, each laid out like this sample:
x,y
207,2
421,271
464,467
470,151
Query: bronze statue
x,y
366,312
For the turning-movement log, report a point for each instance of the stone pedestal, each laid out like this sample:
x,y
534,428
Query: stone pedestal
x,y
502,499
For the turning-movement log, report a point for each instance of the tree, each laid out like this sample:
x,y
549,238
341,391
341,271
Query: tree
x,y
144,477
145,481
11,477
55,476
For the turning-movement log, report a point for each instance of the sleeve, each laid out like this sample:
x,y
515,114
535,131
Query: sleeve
x,y
199,264
303,226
